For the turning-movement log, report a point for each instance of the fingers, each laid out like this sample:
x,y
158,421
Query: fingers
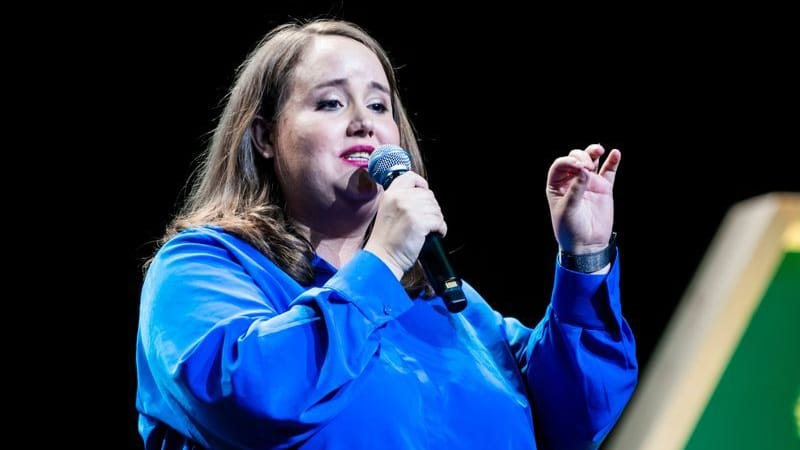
x,y
577,189
409,192
582,159
582,163
595,151
425,209
590,157
563,169
408,211
435,223
609,170
409,180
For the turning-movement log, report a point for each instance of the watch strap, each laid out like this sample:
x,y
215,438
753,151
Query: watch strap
x,y
590,262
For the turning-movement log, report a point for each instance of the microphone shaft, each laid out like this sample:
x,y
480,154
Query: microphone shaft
x,y
441,274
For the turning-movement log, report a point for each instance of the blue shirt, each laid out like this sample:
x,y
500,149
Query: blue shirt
x,y
233,353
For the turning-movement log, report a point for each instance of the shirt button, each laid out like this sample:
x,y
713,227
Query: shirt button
x,y
387,309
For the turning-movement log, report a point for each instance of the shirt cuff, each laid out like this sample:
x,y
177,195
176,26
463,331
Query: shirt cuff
x,y
586,300
371,286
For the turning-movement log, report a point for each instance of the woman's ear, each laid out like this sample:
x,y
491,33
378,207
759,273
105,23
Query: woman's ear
x,y
262,138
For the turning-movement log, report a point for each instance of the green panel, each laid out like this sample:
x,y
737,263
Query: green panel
x,y
753,406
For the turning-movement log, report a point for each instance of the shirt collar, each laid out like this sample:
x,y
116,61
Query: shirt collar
x,y
323,270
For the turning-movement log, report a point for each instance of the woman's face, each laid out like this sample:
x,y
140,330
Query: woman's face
x,y
338,110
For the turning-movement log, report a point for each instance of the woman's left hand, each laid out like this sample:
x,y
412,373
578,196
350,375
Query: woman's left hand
x,y
581,198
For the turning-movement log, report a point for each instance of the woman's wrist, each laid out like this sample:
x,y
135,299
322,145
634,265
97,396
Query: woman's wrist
x,y
590,262
387,260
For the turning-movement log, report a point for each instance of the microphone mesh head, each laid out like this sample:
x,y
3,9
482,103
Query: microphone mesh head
x,y
386,160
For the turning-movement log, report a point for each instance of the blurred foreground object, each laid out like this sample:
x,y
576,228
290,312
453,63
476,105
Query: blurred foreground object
x,y
726,372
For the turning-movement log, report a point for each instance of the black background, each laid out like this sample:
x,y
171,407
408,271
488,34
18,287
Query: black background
x,y
703,105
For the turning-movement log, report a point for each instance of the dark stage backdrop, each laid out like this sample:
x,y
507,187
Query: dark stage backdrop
x,y
700,104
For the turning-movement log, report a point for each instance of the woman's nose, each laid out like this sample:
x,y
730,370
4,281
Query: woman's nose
x,y
360,126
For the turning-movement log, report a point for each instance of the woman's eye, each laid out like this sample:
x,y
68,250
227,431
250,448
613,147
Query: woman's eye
x,y
379,107
328,104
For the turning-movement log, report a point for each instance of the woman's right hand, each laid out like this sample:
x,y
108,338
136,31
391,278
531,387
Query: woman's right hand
x,y
408,211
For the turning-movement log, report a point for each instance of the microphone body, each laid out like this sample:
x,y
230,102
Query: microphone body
x,y
386,163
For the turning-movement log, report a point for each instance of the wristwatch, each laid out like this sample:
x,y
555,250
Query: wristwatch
x,y
589,262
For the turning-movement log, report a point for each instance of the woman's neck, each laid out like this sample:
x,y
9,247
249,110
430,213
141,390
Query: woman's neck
x,y
338,251
336,232
337,247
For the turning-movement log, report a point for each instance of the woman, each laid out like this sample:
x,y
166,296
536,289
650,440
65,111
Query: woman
x,y
286,307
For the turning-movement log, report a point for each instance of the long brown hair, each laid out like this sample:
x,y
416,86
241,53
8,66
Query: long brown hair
x,y
236,187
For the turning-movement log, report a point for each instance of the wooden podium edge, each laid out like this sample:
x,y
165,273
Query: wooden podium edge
x,y
710,319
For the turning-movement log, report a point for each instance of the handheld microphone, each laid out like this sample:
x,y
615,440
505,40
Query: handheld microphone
x,y
386,163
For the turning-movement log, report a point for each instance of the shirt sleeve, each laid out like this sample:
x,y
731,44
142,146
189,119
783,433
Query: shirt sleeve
x,y
579,362
237,371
